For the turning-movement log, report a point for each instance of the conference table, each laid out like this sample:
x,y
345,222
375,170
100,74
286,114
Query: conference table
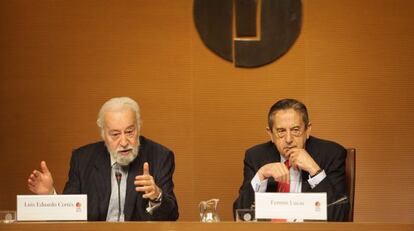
x,y
198,226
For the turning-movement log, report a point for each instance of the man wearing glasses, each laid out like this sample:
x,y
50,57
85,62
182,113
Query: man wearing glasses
x,y
294,161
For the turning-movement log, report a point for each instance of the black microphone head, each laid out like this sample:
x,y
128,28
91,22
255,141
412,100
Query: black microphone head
x,y
118,174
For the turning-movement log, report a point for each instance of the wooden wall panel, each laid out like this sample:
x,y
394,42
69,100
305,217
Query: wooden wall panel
x,y
352,66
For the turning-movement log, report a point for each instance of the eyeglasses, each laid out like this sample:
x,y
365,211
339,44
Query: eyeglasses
x,y
295,131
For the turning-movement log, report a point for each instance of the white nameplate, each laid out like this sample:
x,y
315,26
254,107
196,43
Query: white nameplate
x,y
52,208
293,206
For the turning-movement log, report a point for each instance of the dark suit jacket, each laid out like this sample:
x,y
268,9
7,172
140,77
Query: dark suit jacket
x,y
330,156
90,172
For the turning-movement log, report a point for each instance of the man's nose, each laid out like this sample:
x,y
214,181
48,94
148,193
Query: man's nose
x,y
288,138
124,141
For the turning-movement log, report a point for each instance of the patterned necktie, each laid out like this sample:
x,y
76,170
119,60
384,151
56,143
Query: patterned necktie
x,y
284,186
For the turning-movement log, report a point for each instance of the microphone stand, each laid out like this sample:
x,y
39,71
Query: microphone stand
x,y
118,176
344,199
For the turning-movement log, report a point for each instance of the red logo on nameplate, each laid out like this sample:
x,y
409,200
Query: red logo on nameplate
x,y
78,207
317,206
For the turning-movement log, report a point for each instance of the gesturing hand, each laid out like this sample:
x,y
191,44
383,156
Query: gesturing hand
x,y
41,182
145,183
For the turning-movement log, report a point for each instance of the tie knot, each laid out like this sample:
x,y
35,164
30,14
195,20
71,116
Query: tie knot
x,y
287,164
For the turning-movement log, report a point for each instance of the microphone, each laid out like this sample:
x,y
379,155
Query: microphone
x,y
118,176
344,199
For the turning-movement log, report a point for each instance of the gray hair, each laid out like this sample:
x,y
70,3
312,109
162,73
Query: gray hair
x,y
118,103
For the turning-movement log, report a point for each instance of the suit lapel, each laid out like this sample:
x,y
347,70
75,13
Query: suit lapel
x,y
305,184
103,180
135,169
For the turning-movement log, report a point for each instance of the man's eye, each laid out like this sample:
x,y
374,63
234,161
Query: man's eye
x,y
114,135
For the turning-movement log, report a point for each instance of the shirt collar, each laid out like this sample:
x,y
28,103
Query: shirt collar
x,y
113,161
282,158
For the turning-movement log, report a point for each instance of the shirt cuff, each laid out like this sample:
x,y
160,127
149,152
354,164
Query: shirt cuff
x,y
153,205
258,186
315,180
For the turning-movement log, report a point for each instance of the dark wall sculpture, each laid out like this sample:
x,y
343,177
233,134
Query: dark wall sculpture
x,y
278,27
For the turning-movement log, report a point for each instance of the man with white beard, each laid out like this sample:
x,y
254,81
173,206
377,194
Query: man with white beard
x,y
127,177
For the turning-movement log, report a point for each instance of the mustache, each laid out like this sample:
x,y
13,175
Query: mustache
x,y
128,149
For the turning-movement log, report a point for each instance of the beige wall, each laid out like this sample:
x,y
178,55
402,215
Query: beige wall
x,y
352,65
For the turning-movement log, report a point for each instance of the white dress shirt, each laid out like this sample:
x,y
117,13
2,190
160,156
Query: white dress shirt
x,y
113,208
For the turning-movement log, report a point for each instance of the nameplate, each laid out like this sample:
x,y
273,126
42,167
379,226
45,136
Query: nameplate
x,y
51,207
291,206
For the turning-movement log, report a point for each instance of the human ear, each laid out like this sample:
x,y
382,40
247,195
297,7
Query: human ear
x,y
270,133
308,130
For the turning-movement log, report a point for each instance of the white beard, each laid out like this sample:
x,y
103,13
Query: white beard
x,y
122,159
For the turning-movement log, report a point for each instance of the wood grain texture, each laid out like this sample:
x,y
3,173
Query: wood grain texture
x,y
222,226
352,65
